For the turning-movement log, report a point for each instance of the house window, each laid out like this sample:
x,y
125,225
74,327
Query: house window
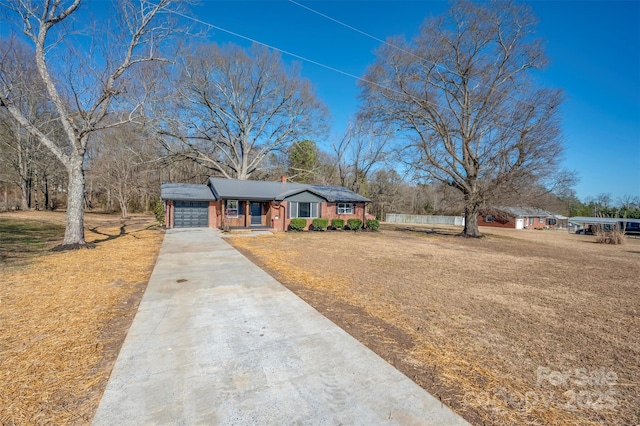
x,y
488,218
232,208
303,210
345,208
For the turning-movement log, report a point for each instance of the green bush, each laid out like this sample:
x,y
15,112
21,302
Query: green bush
x,y
297,224
373,224
320,224
354,224
337,223
158,211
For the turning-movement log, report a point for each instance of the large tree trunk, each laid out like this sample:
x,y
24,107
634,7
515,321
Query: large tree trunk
x,y
124,209
74,232
471,211
45,194
25,192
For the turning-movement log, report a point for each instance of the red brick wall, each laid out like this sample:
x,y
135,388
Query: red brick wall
x,y
275,214
497,222
538,222
278,215
213,217
168,213
330,211
511,222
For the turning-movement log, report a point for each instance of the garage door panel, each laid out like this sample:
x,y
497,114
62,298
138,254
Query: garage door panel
x,y
191,214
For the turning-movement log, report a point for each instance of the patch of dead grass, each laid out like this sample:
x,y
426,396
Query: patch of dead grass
x,y
474,321
64,316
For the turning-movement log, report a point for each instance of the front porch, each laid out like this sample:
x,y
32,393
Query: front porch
x,y
253,231
249,215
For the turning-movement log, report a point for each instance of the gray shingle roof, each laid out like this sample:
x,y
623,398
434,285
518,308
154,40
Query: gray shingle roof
x,y
265,191
337,193
186,192
525,211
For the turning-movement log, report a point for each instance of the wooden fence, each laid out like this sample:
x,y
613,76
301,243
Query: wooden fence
x,y
424,219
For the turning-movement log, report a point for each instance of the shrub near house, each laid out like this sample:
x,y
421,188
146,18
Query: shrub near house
x,y
297,224
354,224
233,204
320,224
373,224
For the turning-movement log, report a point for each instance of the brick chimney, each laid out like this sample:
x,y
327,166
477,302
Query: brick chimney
x,y
283,179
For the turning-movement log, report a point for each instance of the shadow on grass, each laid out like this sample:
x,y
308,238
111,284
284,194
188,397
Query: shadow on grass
x,y
23,239
108,237
429,231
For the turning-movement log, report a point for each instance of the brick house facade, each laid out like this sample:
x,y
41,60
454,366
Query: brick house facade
x,y
235,204
518,218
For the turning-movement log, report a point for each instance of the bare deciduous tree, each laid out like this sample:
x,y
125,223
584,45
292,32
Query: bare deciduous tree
x,y
120,160
82,84
20,151
237,106
461,98
359,151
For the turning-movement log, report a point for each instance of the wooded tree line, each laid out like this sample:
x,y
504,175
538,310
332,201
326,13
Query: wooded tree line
x,y
604,205
450,121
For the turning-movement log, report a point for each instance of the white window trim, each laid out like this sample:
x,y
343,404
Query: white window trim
x,y
294,210
229,210
489,218
344,208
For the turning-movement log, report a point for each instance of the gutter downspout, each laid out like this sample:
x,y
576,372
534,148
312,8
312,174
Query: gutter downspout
x,y
284,217
364,214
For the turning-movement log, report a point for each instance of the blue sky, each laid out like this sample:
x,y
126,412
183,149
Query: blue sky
x,y
594,47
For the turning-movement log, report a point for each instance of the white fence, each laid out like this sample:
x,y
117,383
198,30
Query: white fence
x,y
424,219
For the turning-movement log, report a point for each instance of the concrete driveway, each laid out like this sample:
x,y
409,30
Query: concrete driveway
x,y
218,341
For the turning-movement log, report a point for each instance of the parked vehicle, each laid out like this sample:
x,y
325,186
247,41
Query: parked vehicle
x,y
585,231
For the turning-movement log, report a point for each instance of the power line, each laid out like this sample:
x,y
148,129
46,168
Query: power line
x,y
286,52
329,67
302,58
386,43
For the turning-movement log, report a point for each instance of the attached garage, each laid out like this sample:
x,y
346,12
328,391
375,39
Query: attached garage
x,y
191,214
188,205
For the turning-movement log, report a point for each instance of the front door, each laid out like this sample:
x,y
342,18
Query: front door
x,y
256,213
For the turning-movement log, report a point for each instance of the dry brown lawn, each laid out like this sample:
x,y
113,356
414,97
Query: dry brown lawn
x,y
520,327
64,315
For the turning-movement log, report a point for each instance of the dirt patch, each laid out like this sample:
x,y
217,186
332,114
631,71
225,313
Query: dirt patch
x,y
521,327
64,317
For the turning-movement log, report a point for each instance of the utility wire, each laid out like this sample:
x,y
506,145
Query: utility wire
x,y
320,64
386,43
302,58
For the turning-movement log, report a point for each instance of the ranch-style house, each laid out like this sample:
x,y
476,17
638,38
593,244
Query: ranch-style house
x,y
236,204
521,218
